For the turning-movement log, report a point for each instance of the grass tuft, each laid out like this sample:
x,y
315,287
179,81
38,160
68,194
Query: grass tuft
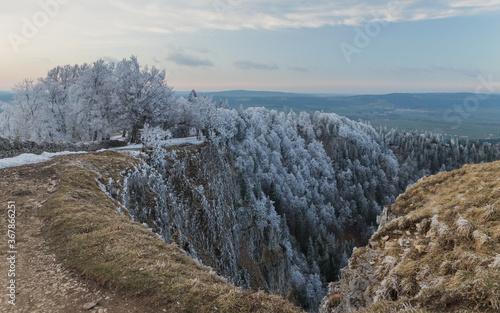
x,y
464,227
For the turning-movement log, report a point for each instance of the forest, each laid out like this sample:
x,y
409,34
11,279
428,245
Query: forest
x,y
311,183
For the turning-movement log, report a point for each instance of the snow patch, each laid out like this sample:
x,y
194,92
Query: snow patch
x,y
162,143
129,147
30,158
178,141
118,137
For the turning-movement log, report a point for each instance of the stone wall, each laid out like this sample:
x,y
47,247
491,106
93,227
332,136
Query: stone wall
x,y
12,148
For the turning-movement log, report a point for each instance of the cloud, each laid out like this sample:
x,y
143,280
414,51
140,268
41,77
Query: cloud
x,y
468,71
474,3
110,60
298,69
46,60
188,60
249,65
192,15
199,49
106,24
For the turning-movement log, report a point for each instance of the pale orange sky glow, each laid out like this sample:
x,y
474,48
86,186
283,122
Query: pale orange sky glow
x,y
321,46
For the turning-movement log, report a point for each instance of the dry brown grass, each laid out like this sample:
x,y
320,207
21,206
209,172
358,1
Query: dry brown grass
x,y
88,235
405,307
442,245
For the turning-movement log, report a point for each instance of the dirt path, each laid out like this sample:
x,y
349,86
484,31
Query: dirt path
x,y
42,284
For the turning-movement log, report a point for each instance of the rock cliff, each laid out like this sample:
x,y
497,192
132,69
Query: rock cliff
x,y
192,196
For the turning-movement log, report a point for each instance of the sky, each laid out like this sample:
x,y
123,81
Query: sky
x,y
348,47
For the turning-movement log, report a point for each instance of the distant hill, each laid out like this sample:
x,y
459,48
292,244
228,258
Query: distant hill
x,y
257,94
253,94
6,96
445,113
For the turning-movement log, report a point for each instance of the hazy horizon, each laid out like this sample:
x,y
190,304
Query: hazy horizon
x,y
312,93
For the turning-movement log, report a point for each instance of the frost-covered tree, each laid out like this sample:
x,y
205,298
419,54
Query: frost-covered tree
x,y
141,96
30,117
192,96
6,114
56,87
91,102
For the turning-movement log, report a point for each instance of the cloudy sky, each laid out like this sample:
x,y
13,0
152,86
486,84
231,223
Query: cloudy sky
x,y
341,46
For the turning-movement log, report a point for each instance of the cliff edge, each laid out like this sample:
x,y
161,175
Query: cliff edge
x,y
436,250
78,250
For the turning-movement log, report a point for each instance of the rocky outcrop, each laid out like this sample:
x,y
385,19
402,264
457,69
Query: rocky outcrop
x,y
437,248
12,148
262,257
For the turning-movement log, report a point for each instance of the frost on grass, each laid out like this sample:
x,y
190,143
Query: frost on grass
x,y
464,227
480,238
489,212
496,262
438,228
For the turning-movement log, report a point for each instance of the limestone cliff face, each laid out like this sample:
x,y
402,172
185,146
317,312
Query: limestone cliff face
x,y
437,248
262,256
193,196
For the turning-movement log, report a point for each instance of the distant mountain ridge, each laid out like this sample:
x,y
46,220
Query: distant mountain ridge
x,y
461,115
253,93
6,95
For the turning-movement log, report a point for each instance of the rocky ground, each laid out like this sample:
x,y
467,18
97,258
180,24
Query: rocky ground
x,y
42,283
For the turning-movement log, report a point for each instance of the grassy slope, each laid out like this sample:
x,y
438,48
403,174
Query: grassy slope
x,y
86,232
440,252
460,265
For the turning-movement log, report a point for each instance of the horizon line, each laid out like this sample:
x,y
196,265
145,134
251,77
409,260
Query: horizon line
x,y
319,93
